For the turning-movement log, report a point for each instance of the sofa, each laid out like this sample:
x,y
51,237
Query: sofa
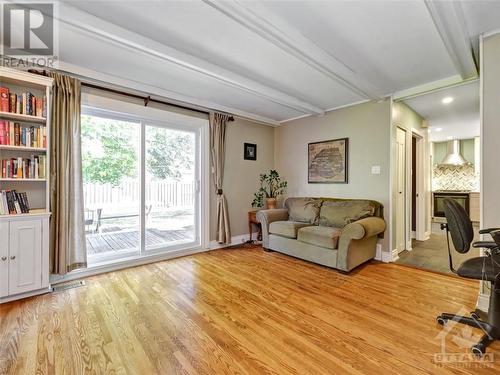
x,y
338,233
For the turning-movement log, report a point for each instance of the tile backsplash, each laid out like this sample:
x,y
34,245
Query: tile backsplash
x,y
455,178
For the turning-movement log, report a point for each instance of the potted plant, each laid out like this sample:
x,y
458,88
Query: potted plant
x,y
271,187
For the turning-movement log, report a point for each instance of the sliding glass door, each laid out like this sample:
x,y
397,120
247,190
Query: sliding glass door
x,y
111,150
141,186
170,197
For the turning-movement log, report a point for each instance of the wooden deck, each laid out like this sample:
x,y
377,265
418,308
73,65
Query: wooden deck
x,y
99,243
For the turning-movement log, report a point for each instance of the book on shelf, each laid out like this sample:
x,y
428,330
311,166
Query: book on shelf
x,y
25,103
24,168
4,99
15,134
13,203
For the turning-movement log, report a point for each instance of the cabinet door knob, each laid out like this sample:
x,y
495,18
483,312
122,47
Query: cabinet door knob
x,y
4,258
13,257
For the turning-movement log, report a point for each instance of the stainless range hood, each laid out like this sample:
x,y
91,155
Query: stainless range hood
x,y
453,156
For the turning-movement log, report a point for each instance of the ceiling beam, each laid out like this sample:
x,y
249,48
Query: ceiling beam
x,y
99,28
276,31
427,87
112,81
450,23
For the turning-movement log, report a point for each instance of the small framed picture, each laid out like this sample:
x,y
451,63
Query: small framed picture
x,y
250,151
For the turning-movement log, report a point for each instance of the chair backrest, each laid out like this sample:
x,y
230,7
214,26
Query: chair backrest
x,y
459,225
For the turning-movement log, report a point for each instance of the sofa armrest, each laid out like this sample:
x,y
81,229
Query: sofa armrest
x,y
266,217
358,241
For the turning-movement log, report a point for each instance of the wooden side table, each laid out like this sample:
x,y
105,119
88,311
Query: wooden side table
x,y
252,220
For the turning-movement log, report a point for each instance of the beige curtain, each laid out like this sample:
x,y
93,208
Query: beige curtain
x,y
218,123
67,230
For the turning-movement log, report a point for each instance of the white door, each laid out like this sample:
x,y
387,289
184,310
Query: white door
x,y
25,256
400,189
4,259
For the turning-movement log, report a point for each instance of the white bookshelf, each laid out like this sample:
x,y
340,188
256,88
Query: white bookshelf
x,y
37,190
24,257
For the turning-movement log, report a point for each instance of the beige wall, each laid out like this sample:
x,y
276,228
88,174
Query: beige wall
x,y
241,177
407,119
368,128
490,132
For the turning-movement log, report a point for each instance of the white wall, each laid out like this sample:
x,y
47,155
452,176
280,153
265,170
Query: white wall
x,y
490,131
368,128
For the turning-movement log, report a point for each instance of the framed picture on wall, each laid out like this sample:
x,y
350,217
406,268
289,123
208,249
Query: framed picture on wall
x,y
250,151
328,161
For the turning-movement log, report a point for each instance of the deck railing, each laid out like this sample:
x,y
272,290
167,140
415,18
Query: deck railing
x,y
163,194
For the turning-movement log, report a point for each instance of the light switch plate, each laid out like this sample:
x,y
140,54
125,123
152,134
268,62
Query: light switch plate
x,y
375,169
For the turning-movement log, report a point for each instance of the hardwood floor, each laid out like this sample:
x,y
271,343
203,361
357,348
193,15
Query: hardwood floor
x,y
240,311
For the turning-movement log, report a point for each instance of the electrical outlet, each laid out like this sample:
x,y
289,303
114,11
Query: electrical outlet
x,y
375,169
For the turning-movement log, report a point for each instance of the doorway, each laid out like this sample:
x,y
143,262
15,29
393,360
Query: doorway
x,y
434,121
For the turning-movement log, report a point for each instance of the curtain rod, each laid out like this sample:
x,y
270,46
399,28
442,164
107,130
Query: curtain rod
x,y
146,99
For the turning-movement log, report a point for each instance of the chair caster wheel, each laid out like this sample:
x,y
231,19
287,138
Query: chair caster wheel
x,y
441,321
473,315
478,350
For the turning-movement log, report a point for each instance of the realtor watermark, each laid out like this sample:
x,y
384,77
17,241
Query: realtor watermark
x,y
29,34
464,337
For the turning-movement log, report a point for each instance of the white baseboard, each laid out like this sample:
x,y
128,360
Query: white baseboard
x,y
409,246
235,240
395,255
383,256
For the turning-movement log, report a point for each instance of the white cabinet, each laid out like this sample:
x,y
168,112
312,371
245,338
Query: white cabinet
x,y
25,256
24,253
4,259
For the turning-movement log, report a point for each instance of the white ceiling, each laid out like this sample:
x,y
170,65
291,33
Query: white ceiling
x,y
456,120
273,60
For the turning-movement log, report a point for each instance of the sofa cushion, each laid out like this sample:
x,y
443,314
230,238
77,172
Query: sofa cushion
x,y
340,213
303,210
286,228
327,237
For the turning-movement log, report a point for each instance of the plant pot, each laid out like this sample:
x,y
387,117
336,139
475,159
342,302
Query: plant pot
x,y
271,203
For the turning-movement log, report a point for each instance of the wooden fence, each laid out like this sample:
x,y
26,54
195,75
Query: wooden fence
x,y
161,194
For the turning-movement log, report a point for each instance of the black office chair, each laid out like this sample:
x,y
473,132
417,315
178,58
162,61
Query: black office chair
x,y
486,268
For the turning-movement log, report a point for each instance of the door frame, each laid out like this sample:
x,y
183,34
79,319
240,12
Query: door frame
x,y
407,225
118,109
421,217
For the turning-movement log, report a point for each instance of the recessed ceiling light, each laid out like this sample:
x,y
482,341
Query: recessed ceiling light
x,y
438,129
447,100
